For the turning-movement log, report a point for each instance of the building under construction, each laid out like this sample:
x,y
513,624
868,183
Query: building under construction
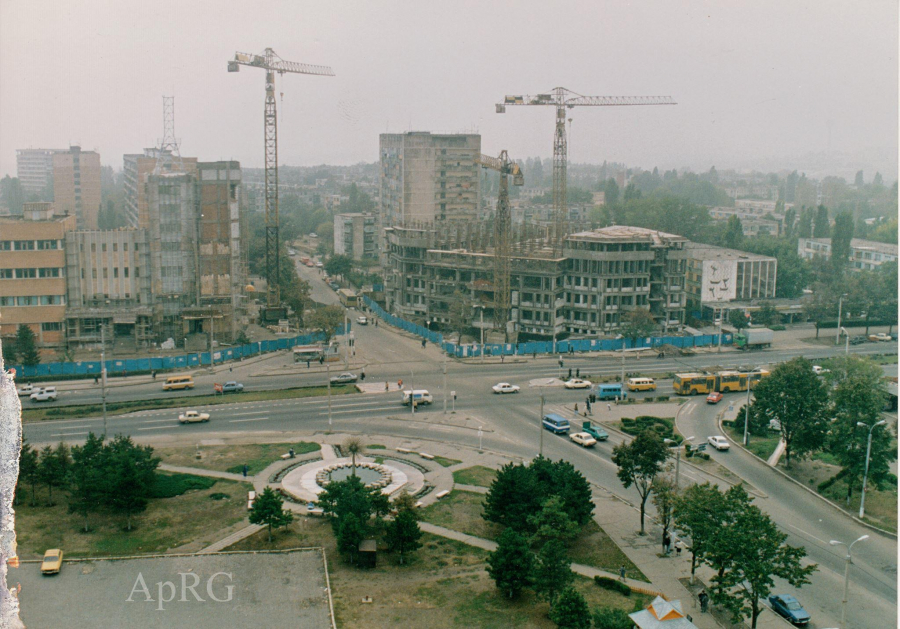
x,y
444,276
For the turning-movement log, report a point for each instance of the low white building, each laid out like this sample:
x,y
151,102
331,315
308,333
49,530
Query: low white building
x,y
864,254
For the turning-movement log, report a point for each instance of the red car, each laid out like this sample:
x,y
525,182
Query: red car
x,y
714,398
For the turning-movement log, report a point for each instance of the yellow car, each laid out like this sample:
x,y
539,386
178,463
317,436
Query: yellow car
x,y
52,561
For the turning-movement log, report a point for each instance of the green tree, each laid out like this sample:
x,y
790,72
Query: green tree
x,y
665,493
697,513
727,535
570,611
637,323
512,563
11,195
29,469
790,221
552,522
552,572
760,555
242,338
53,468
818,307
734,233
403,533
767,314
611,193
405,502
326,319
798,399
821,226
351,532
512,497
840,244
805,229
87,477
859,182
268,509
640,462
26,346
351,496
737,319
131,477
10,356
339,265
612,618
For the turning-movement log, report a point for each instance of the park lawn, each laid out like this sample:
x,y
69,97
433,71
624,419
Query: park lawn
x,y
176,402
445,462
443,585
166,524
763,447
593,547
376,446
232,458
477,475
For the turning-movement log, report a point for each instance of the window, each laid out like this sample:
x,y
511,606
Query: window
x,y
124,246
47,244
6,274
93,246
105,273
6,245
24,245
137,271
103,245
51,326
94,273
7,301
116,272
50,272
115,246
27,301
25,273
126,271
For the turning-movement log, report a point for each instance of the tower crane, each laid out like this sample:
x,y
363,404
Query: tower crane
x,y
502,229
563,98
272,63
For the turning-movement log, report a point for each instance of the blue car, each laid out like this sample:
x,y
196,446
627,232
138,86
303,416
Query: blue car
x,y
789,607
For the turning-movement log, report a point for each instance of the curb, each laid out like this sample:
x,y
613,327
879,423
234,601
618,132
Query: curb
x,y
814,493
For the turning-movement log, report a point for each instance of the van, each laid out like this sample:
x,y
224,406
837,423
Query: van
x,y
556,424
421,396
641,384
610,391
176,383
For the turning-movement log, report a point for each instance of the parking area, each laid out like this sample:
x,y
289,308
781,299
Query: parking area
x,y
277,589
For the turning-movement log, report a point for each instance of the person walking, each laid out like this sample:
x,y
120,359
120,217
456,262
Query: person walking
x,y
423,343
608,407
578,373
362,375
400,383
245,469
587,405
622,573
667,543
385,387
704,601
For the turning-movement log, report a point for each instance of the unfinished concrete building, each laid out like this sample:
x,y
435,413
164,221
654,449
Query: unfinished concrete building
x,y
137,168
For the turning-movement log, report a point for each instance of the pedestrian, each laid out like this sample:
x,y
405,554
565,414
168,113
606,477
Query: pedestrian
x,y
400,383
576,407
678,546
307,363
385,387
362,375
534,355
570,373
587,404
454,397
704,601
376,323
608,407
245,469
153,375
667,542
291,452
578,373
231,369
423,343
501,358
622,573
96,379
321,359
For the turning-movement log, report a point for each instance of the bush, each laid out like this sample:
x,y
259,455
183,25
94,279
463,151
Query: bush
x,y
612,618
171,485
661,425
777,328
612,584
662,398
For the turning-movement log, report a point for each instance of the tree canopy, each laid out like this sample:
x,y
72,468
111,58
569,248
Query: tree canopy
x,y
640,462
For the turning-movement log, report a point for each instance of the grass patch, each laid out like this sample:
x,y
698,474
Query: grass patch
x,y
167,524
477,475
181,401
763,447
233,458
593,547
445,462
461,511
169,485
376,446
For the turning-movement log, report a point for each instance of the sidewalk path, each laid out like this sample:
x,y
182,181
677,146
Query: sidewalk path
x,y
234,538
197,471
776,456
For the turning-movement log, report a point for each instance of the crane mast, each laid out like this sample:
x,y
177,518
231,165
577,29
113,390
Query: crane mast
x,y
272,63
563,99
502,234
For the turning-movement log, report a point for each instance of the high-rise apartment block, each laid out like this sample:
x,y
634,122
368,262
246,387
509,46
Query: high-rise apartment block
x,y
354,236
137,168
76,185
33,273
34,169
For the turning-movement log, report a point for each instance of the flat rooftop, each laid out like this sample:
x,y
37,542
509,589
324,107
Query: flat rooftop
x,y
700,251
626,233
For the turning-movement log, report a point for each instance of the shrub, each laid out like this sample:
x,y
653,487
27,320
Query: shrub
x,y
612,618
777,328
662,425
171,485
615,585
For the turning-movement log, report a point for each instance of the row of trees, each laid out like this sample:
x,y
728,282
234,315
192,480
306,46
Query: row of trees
x,y
116,476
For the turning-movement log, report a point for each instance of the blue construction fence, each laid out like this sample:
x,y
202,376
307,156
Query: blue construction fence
x,y
124,367
468,350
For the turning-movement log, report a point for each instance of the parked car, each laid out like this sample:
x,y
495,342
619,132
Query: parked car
x,y
881,336
43,395
334,285
789,607
190,417
344,378
505,387
718,442
819,370
714,398
577,383
232,387
26,390
362,320
857,340
52,561
583,439
319,265
595,431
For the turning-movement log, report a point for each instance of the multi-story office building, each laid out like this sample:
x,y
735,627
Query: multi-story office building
x,y
34,169
429,177
76,185
137,168
354,235
717,276
864,254
108,286
600,275
33,273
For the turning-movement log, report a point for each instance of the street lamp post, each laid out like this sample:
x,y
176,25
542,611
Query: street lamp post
x,y
328,375
677,456
445,385
846,341
837,336
103,371
846,575
862,499
541,426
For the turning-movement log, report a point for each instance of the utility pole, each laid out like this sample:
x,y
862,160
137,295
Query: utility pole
x,y
444,387
721,317
846,575
837,334
862,498
103,372
482,333
328,375
412,394
541,427
747,412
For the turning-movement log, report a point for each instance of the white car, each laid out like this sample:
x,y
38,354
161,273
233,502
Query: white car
x,y
881,336
189,417
577,383
26,390
583,439
819,370
362,320
505,387
43,395
718,442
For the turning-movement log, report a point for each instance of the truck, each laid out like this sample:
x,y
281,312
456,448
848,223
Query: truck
x,y
595,431
754,338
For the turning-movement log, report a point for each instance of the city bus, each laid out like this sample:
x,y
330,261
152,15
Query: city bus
x,y
721,382
348,298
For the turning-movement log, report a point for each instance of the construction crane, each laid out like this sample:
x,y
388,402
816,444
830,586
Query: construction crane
x,y
272,63
502,229
563,98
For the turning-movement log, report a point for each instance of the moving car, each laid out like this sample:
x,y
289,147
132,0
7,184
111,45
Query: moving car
x,y
789,607
610,391
714,398
176,383
583,439
819,370
232,387
334,285
362,320
857,340
718,442
52,561
26,390
344,378
881,336
555,423
641,384
577,383
505,387
420,396
595,431
43,395
189,417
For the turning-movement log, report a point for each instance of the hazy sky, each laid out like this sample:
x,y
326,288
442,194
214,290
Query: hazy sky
x,y
758,82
